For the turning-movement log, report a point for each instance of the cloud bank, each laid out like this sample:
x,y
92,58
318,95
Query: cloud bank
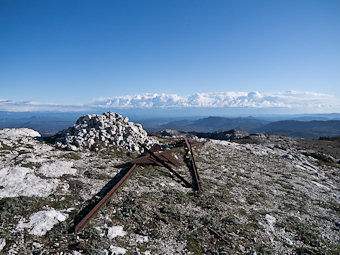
x,y
310,101
30,106
288,99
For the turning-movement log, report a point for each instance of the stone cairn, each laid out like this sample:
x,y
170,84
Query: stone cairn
x,y
109,129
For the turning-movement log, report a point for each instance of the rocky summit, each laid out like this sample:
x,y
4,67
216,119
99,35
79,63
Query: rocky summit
x,y
109,129
260,195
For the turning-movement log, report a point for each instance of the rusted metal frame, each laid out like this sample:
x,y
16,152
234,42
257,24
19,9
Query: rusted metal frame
x,y
193,164
170,158
166,166
145,160
196,143
152,158
155,147
192,158
104,200
164,155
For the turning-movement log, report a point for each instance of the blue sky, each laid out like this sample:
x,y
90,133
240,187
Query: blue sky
x,y
72,52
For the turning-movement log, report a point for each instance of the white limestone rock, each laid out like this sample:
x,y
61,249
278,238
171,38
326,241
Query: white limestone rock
x,y
114,250
2,243
57,168
115,231
270,221
42,221
18,132
141,239
21,181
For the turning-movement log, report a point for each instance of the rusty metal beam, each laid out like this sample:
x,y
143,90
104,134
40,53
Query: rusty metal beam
x,y
149,160
104,200
163,155
152,157
193,164
145,160
169,158
155,147
155,156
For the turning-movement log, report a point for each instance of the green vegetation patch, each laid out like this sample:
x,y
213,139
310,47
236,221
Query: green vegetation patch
x,y
71,155
75,185
13,205
194,244
5,147
306,233
32,165
304,250
330,205
319,156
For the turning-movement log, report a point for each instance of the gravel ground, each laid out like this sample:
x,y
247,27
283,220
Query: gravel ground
x,y
279,195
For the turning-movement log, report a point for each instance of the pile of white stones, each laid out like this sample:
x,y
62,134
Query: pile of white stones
x,y
108,129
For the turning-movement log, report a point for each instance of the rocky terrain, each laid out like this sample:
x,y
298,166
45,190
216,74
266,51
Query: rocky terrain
x,y
266,195
108,129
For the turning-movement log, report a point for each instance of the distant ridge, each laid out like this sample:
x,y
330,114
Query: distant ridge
x,y
310,126
211,124
305,129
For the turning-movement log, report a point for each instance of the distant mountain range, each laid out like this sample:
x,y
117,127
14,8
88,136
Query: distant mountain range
x,y
304,129
212,124
306,126
45,127
45,123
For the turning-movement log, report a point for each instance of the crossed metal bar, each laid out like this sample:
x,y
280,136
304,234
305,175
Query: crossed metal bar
x,y
154,156
193,164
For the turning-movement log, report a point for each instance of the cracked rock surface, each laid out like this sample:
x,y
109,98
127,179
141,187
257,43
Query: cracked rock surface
x,y
278,195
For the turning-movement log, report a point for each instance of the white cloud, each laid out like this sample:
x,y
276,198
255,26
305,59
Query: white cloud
x,y
289,99
28,106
